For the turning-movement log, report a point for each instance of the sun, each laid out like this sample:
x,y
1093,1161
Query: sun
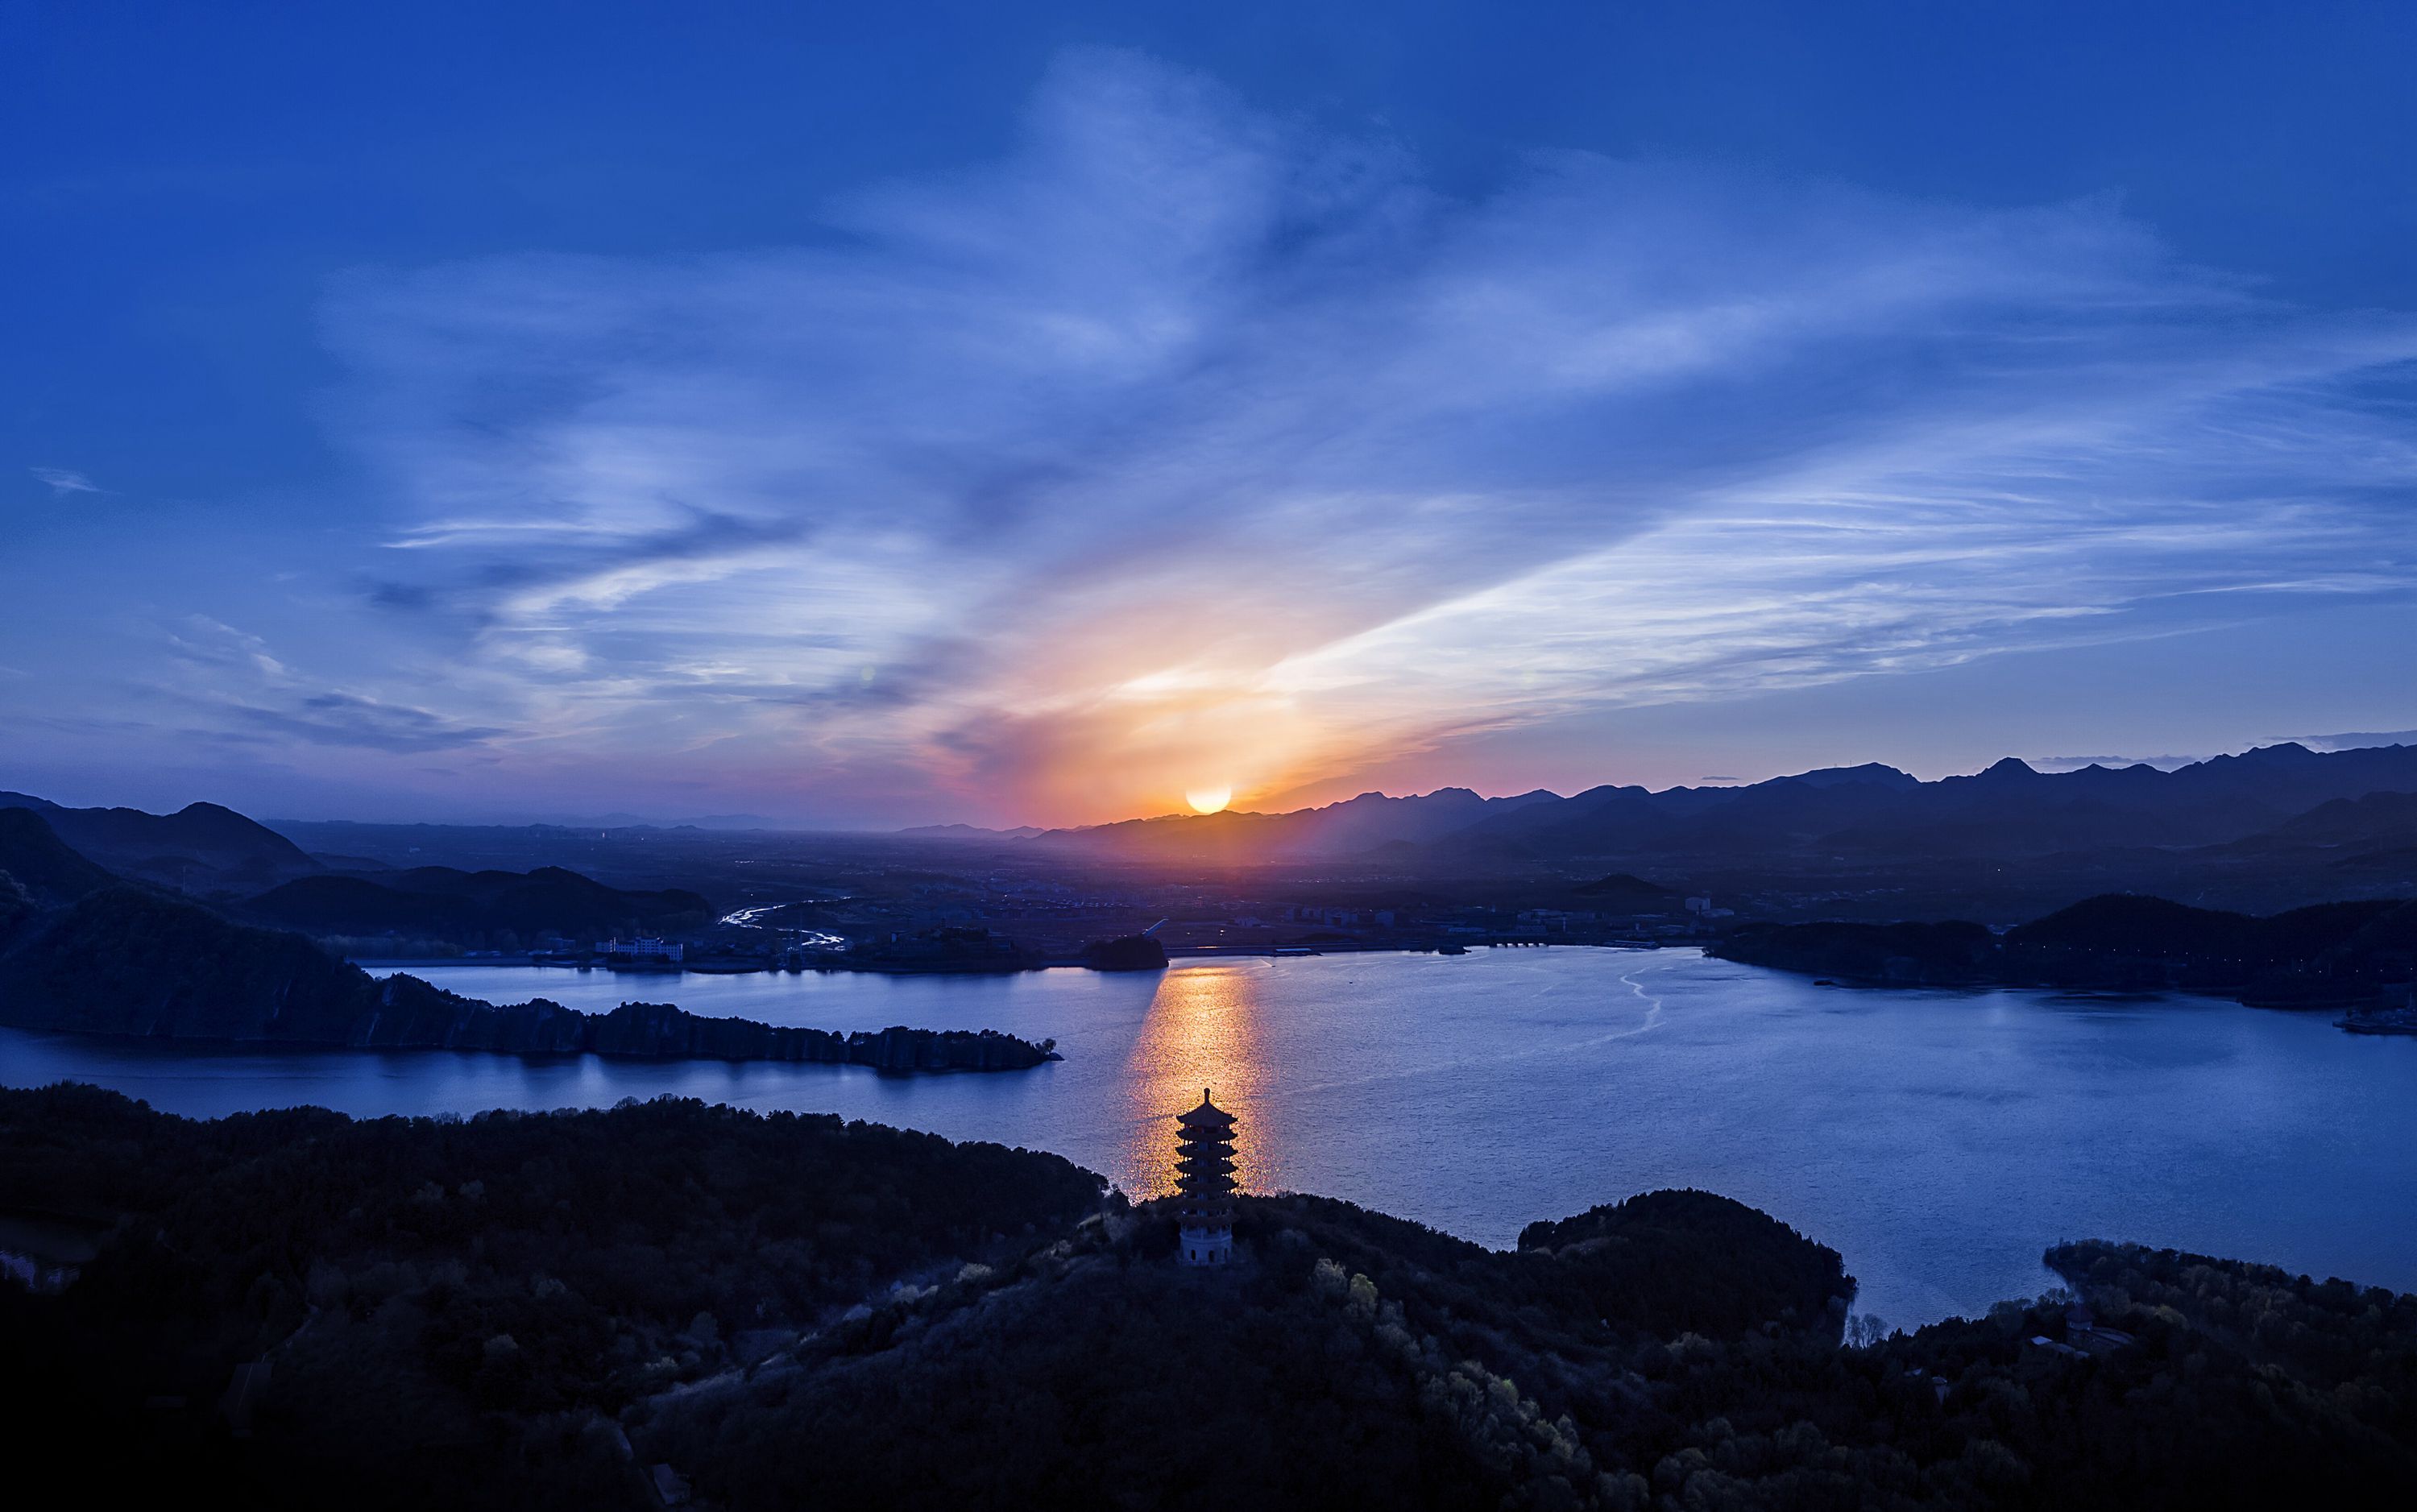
x,y
1208,800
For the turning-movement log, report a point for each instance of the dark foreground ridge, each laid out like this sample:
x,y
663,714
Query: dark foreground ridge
x,y
127,960
672,1302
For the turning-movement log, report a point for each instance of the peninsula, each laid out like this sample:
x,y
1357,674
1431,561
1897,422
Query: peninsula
x,y
83,952
2330,956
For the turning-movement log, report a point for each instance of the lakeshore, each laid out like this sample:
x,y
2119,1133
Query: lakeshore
x,y
1937,1138
841,961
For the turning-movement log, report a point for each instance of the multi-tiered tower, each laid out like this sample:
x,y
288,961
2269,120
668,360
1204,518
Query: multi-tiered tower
x,y
1204,1164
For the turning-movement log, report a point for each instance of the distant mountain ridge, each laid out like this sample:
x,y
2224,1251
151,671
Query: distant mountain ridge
x,y
1350,828
1872,811
201,848
966,832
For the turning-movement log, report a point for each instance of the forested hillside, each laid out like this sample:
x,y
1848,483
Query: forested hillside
x,y
2327,955
595,1310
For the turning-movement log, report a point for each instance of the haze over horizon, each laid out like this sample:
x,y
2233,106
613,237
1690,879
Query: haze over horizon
x,y
1304,406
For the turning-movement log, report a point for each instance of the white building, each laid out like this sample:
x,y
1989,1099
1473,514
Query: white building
x,y
644,949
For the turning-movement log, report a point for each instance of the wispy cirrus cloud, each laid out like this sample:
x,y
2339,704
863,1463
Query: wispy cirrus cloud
x,y
2076,763
1192,445
232,677
64,482
2354,740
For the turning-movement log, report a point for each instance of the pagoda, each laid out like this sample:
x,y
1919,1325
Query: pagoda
x,y
1204,1208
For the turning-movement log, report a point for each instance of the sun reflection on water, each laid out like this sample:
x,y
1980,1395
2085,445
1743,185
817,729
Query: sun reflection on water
x,y
1203,1029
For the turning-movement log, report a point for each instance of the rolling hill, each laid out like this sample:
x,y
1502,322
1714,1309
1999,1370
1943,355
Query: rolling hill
x,y
442,901
202,848
41,865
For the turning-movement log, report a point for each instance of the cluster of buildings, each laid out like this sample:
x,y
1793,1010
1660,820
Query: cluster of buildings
x,y
1335,918
667,951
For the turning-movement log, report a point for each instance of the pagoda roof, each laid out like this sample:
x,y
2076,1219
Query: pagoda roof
x,y
1207,1114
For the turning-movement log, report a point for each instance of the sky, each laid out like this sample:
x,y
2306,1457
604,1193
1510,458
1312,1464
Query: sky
x,y
860,417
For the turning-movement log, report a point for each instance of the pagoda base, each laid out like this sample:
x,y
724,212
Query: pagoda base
x,y
1205,1243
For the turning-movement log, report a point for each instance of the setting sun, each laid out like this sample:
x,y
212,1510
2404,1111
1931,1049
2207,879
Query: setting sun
x,y
1208,800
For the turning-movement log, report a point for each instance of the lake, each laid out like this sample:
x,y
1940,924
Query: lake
x,y
1938,1139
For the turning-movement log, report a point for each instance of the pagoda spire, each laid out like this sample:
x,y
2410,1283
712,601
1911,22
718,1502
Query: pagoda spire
x,y
1204,1185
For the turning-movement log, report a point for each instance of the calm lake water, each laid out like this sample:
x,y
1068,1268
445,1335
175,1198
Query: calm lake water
x,y
1938,1139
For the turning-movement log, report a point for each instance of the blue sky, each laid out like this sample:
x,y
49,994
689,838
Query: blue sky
x,y
919,413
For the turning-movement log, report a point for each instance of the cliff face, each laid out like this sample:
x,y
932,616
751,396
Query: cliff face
x,y
130,962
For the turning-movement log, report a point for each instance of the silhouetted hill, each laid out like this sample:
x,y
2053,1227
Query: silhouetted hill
x,y
439,901
354,905
615,1309
126,961
37,860
1131,952
1870,774
2325,955
1951,954
2322,954
202,848
1869,815
130,962
1689,1262
2343,829
966,832
1619,889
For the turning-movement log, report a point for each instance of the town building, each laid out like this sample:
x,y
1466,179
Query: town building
x,y
644,949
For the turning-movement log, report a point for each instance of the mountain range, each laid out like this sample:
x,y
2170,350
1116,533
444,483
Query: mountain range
x,y
52,855
2276,796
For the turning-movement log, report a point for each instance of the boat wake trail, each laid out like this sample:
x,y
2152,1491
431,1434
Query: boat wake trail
x,y
1652,1002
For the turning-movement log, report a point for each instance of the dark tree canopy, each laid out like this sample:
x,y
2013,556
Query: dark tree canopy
x,y
538,1310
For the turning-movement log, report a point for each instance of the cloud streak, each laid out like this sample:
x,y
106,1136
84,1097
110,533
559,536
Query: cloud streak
x,y
1188,446
233,677
65,482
